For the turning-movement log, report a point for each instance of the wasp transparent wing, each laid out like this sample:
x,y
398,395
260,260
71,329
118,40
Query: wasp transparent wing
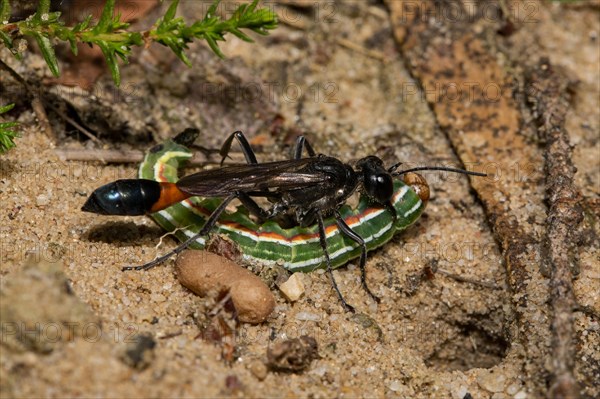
x,y
280,176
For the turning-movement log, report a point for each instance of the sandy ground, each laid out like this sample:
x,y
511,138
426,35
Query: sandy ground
x,y
71,320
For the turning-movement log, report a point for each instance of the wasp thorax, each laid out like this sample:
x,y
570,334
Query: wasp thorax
x,y
418,184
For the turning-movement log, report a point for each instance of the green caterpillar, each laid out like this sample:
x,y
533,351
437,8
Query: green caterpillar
x,y
298,248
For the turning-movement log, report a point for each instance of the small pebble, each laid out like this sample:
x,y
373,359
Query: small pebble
x,y
293,288
319,371
145,315
157,298
205,273
512,389
395,385
306,316
459,391
258,369
521,395
492,382
42,200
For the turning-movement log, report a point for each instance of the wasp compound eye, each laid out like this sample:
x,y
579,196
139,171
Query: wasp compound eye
x,y
380,186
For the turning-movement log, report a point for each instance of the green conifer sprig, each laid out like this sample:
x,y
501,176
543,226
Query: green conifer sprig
x,y
7,133
115,40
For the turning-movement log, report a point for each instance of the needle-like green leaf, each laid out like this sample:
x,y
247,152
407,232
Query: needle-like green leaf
x,y
115,40
4,10
7,133
48,52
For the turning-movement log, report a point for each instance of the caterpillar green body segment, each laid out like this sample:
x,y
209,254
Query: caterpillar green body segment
x,y
298,248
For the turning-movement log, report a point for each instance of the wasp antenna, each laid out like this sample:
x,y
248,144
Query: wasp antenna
x,y
395,166
441,168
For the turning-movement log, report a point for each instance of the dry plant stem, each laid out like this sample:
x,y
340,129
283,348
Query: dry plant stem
x,y
463,279
95,155
73,122
591,4
349,44
116,156
36,103
549,103
171,335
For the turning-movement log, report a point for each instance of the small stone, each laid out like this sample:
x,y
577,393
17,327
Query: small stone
x,y
513,388
42,200
320,371
157,298
521,395
395,386
293,288
459,391
492,381
258,369
306,316
145,315
38,310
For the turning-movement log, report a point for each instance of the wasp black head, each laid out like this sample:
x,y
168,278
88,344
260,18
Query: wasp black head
x,y
123,197
377,181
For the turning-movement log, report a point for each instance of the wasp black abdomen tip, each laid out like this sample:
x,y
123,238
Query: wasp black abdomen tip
x,y
131,197
92,205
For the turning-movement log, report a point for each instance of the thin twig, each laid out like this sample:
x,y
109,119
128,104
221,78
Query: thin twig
x,y
116,156
378,55
36,103
171,334
73,122
463,279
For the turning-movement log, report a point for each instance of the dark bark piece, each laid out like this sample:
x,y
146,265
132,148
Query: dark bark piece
x,y
548,98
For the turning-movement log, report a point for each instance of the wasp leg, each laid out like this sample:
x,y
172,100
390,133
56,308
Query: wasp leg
x,y
301,143
208,226
392,210
245,198
246,149
187,137
323,241
392,169
344,228
253,207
